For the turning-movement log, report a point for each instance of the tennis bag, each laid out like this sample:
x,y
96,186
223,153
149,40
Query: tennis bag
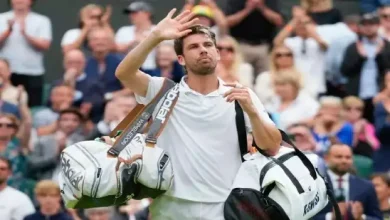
x,y
286,186
92,174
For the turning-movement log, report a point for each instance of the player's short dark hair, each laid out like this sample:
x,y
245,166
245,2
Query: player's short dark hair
x,y
196,29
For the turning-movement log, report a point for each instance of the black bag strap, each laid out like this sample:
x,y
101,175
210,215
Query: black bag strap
x,y
241,131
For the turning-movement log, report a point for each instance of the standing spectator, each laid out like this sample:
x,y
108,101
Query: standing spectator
x,y
338,36
329,125
49,198
365,141
232,67
365,63
253,23
322,12
356,197
381,183
26,35
308,48
166,63
10,93
209,15
14,204
91,16
281,60
384,15
127,37
290,105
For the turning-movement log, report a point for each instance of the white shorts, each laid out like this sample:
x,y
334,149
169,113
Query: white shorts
x,y
170,208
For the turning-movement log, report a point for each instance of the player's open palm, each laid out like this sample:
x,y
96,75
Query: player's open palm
x,y
171,28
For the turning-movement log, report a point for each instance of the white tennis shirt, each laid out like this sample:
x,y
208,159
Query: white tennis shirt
x,y
201,140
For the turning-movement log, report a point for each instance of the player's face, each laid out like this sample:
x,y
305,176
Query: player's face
x,y
200,55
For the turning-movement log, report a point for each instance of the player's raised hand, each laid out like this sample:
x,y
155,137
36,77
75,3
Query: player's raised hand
x,y
171,28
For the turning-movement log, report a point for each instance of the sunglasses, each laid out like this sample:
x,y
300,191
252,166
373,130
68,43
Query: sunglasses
x,y
278,55
6,125
229,49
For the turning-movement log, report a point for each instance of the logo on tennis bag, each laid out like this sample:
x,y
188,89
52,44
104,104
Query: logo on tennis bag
x,y
91,179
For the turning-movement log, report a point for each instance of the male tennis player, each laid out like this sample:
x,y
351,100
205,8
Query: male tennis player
x,y
200,136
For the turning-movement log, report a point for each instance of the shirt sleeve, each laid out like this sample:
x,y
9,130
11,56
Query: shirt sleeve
x,y
155,84
124,35
24,208
45,31
261,110
70,37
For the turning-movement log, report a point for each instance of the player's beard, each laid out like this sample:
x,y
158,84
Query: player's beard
x,y
203,68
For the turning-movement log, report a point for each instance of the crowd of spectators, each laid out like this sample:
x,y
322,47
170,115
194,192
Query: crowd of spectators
x,y
323,76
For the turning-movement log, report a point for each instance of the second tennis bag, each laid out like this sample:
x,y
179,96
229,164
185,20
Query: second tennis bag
x,y
286,186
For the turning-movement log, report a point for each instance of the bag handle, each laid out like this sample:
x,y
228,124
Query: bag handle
x,y
240,122
134,122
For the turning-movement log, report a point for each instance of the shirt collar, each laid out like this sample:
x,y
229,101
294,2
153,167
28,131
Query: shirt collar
x,y
335,177
81,77
187,90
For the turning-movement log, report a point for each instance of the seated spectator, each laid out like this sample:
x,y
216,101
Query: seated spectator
x,y
9,92
49,199
290,105
365,140
127,37
5,106
91,16
309,50
282,59
167,65
231,67
44,120
356,197
304,141
382,127
381,183
322,12
14,204
44,160
75,76
365,63
329,125
115,111
102,213
209,15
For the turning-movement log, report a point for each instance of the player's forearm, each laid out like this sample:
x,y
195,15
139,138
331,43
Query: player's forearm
x,y
266,135
136,57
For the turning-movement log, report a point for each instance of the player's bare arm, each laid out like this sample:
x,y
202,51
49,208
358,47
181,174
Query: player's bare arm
x,y
168,29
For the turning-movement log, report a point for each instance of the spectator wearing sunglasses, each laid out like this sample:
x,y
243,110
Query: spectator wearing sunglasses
x,y
365,141
91,16
282,59
308,47
232,68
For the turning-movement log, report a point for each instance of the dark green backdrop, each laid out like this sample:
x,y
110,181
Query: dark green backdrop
x,y
64,16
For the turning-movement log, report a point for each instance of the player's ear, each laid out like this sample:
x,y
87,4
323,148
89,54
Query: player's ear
x,y
181,60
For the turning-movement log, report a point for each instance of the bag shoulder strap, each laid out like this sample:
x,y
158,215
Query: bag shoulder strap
x,y
279,161
134,122
241,130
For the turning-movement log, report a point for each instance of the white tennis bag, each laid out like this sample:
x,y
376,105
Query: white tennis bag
x,y
91,179
93,176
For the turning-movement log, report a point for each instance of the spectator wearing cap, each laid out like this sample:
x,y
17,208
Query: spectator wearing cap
x,y
91,16
209,15
24,37
365,62
127,37
44,161
253,23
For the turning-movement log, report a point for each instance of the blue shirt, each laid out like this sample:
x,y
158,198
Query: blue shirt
x,y
177,72
6,107
369,73
344,135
